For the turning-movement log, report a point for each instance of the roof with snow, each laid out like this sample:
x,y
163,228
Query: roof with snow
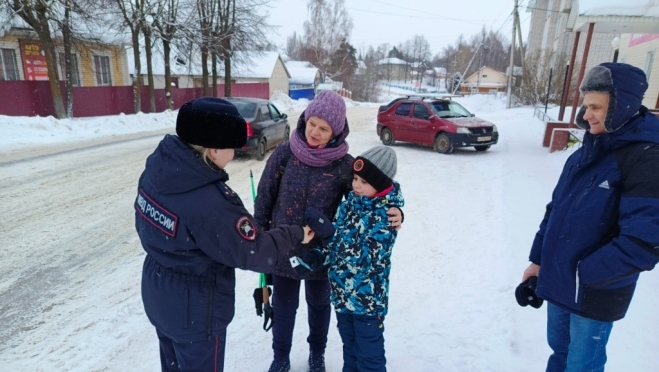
x,y
98,30
255,65
261,65
391,61
302,72
614,16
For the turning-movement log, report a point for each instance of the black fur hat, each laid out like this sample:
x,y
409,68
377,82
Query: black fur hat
x,y
212,123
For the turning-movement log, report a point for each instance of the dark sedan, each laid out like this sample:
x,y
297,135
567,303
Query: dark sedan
x,y
266,126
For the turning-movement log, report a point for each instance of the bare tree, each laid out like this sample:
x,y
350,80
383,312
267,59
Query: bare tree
x,y
39,15
365,84
206,10
329,25
133,18
535,79
244,27
294,47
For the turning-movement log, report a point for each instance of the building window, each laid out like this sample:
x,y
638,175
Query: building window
x,y
484,76
75,73
8,65
649,59
102,69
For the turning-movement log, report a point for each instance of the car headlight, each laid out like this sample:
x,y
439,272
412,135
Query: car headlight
x,y
463,130
494,129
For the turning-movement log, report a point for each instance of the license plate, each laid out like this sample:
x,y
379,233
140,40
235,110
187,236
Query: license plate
x,y
483,139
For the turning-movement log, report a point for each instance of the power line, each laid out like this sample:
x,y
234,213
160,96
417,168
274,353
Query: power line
x,y
409,16
426,12
505,22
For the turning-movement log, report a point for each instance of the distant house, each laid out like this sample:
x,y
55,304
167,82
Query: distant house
x,y
486,80
99,63
305,78
303,74
186,70
393,69
261,67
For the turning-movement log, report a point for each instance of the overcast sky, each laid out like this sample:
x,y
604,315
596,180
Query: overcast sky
x,y
396,21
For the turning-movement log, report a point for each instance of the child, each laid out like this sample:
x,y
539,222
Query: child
x,y
359,257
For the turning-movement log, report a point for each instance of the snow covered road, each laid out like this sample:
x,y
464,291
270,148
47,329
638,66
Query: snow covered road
x,y
70,262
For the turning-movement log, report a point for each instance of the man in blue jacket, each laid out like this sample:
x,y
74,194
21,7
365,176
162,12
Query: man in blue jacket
x,y
601,228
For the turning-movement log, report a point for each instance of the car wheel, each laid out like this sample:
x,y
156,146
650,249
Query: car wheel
x,y
482,148
387,137
260,150
443,144
287,134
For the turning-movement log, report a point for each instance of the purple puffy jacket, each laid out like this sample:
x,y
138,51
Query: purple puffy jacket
x,y
284,201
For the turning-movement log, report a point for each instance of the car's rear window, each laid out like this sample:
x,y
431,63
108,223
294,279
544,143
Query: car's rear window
x,y
246,109
449,110
404,109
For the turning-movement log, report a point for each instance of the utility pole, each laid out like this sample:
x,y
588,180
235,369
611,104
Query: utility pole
x,y
511,66
519,34
480,68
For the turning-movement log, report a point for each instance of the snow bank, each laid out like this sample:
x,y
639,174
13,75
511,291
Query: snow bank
x,y
284,103
19,131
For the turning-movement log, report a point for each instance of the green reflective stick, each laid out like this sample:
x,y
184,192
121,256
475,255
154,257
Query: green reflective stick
x,y
251,178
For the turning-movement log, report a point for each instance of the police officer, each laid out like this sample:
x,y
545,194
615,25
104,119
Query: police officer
x,y
196,231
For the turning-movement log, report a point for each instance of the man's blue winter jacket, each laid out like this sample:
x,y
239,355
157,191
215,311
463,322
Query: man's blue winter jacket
x,y
601,228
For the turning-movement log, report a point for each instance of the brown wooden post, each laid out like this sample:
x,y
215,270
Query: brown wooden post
x,y
582,70
566,87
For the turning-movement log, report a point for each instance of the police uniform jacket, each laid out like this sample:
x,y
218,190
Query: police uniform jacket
x,y
196,231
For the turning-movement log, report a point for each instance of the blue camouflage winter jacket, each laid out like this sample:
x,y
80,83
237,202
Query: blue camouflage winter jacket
x,y
601,228
359,254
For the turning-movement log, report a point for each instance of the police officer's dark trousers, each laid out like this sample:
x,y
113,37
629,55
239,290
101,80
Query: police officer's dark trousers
x,y
200,356
363,343
285,301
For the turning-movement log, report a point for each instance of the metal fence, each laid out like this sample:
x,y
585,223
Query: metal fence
x,y
539,113
32,98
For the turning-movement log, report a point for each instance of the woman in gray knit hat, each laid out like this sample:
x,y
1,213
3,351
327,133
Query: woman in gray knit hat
x,y
312,170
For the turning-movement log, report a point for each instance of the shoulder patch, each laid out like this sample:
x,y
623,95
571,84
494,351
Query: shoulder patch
x,y
157,215
246,228
229,194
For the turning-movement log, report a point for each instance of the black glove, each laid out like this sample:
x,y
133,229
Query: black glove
x,y
258,299
309,261
320,224
269,316
525,293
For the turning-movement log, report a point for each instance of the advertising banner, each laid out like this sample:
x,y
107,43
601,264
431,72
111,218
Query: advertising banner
x,y
34,60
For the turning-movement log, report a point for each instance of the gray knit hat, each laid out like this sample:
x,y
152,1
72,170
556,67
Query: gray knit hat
x,y
377,166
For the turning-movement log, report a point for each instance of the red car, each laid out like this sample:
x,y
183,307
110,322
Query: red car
x,y
437,122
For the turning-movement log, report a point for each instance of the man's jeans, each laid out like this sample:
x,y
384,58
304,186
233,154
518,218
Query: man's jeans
x,y
579,343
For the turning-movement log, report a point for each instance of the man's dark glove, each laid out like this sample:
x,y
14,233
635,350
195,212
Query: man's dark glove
x,y
525,293
320,224
309,261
